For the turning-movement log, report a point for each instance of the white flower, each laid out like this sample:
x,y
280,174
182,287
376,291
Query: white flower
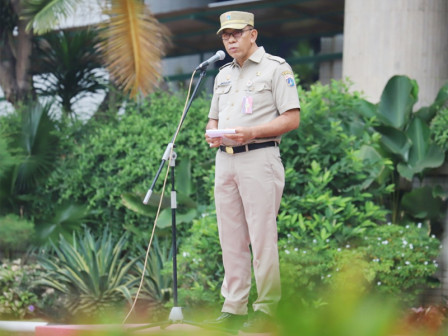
x,y
296,249
419,225
385,242
379,283
304,252
411,246
389,223
339,250
407,263
405,242
287,252
426,263
185,254
329,276
347,246
315,241
433,236
328,240
407,226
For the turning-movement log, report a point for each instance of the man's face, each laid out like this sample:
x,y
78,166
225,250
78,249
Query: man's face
x,y
238,42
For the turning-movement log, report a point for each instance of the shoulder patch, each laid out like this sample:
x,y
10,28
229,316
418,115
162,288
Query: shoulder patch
x,y
276,58
225,65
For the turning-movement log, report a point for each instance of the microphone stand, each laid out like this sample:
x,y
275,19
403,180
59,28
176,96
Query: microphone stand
x,y
176,315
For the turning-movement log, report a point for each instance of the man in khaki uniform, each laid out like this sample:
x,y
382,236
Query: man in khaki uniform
x,y
257,97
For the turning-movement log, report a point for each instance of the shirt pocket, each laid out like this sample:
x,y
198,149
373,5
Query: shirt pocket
x,y
262,96
223,96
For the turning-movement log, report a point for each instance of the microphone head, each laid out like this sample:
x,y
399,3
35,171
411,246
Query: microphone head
x,y
221,54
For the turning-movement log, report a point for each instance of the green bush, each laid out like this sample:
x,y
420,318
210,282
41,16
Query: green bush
x,y
16,234
123,156
390,259
200,263
17,299
92,276
439,129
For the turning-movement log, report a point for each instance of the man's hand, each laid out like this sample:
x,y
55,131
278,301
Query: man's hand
x,y
213,142
242,135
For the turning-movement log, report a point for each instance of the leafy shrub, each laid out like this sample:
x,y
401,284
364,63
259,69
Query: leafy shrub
x,y
17,299
91,275
123,155
200,263
15,233
390,259
439,129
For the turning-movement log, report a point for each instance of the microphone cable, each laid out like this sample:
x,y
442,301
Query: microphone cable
x,y
160,202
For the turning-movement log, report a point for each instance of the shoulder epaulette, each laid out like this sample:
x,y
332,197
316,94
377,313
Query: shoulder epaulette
x,y
275,58
225,65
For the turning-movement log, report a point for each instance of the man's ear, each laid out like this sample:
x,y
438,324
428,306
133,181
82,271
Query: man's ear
x,y
253,35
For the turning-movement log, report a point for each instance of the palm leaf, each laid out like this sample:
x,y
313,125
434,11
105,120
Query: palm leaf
x,y
133,43
45,15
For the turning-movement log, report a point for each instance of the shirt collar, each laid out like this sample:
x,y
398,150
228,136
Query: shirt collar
x,y
256,57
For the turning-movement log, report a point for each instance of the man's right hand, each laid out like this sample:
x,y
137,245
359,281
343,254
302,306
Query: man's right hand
x,y
213,142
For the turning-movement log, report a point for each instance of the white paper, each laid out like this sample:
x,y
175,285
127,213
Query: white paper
x,y
216,133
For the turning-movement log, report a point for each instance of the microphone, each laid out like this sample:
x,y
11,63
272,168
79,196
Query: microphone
x,y
219,56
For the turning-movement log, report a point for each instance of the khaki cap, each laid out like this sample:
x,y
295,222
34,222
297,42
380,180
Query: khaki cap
x,y
235,20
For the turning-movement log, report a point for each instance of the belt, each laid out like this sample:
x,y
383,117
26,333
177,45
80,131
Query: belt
x,y
246,148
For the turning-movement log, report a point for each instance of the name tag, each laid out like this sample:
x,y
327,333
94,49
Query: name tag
x,y
247,105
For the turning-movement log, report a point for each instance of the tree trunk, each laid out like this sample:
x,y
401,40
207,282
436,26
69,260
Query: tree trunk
x,y
15,52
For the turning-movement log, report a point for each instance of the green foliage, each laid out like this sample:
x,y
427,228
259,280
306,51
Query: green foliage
x,y
121,157
17,299
32,142
15,234
6,158
403,259
331,133
405,138
68,67
157,286
439,129
390,259
200,263
92,275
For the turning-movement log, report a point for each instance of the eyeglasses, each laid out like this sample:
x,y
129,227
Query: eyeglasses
x,y
236,34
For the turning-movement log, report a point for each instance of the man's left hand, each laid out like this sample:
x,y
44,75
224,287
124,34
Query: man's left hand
x,y
242,135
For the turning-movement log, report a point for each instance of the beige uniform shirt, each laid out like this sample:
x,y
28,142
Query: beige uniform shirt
x,y
254,94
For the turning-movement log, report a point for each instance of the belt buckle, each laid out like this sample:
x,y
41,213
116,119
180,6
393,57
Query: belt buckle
x,y
229,150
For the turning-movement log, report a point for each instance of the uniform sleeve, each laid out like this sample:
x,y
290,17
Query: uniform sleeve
x,y
284,89
214,107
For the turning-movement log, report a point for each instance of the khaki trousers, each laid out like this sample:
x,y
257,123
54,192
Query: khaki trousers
x,y
248,191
